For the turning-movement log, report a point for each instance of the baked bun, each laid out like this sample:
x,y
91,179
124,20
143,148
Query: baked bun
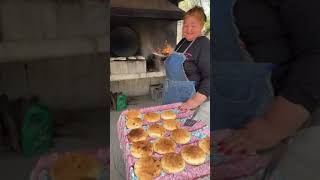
x,y
181,136
166,115
152,117
136,135
193,155
172,163
156,130
75,166
133,113
134,123
171,124
204,145
147,168
141,149
164,145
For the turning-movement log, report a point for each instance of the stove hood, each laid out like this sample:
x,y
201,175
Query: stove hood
x,y
155,9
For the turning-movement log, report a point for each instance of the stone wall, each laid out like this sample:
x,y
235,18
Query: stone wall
x,y
56,50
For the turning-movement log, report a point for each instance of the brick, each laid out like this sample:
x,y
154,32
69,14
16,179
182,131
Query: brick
x,y
118,67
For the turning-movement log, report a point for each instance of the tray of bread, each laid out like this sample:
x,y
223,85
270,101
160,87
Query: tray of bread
x,y
157,145
84,164
235,166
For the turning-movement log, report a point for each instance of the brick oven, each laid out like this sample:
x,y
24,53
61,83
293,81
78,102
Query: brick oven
x,y
54,50
137,29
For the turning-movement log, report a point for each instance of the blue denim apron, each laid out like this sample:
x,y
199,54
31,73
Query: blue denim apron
x,y
241,88
241,92
177,87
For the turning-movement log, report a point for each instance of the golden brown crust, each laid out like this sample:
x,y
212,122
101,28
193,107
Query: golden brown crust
x,y
141,149
147,168
166,115
136,135
156,130
181,136
133,113
172,163
171,124
164,145
75,166
134,123
204,145
152,117
193,155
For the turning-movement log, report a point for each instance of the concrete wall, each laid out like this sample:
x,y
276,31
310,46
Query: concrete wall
x,y
136,87
51,19
70,82
60,78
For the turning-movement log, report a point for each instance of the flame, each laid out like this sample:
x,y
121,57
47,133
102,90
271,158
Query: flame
x,y
166,49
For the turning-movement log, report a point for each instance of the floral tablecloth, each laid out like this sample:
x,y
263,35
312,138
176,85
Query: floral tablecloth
x,y
199,131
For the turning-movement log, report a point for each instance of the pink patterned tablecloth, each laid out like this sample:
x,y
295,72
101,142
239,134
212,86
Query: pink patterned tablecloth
x,y
200,129
229,167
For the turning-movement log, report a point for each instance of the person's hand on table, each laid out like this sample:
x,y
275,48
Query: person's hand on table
x,y
254,137
282,120
188,105
193,102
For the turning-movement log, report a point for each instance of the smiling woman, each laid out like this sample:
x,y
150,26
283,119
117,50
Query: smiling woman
x,y
188,4
187,68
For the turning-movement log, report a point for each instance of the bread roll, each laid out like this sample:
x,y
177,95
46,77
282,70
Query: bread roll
x,y
136,135
147,168
152,117
156,130
133,113
171,124
193,155
134,123
141,149
204,145
75,166
166,115
181,136
164,145
172,163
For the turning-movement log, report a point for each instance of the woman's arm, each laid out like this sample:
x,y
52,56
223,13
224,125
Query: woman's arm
x,y
281,120
203,65
196,100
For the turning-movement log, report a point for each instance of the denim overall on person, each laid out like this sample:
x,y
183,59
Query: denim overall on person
x,y
241,88
177,87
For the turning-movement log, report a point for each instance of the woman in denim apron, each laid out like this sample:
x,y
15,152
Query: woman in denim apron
x,y
177,86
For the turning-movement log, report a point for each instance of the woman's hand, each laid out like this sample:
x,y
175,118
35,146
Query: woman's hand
x,y
188,105
196,100
256,136
282,119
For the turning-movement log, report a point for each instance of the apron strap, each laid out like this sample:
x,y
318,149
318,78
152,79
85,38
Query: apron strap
x,y
189,46
181,44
